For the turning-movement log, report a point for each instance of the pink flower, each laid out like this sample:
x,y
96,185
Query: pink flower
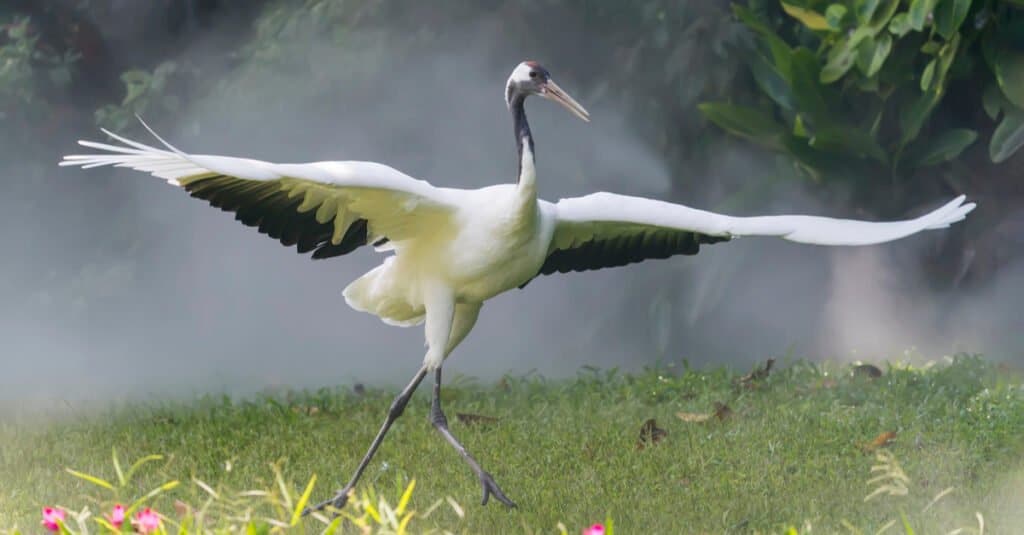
x,y
596,529
146,521
53,518
116,516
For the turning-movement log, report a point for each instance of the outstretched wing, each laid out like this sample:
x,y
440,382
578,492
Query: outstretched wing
x,y
606,230
329,208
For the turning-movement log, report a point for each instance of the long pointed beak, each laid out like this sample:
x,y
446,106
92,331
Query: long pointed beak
x,y
557,94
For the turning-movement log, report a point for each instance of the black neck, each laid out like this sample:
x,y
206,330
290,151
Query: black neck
x,y
522,127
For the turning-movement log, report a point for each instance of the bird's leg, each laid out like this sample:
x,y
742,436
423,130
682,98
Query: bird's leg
x,y
440,422
396,409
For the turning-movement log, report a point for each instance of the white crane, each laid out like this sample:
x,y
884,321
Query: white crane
x,y
453,248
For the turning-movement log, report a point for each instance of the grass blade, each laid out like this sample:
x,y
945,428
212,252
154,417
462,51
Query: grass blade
x,y
117,467
91,479
406,496
303,500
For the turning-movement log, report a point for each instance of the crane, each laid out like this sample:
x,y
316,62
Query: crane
x,y
453,249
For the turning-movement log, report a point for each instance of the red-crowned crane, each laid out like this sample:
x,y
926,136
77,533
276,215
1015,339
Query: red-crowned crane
x,y
452,249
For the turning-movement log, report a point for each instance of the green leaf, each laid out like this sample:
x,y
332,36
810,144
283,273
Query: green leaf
x,y
943,148
993,101
872,53
810,18
949,15
1008,66
834,16
899,24
843,55
945,59
882,16
913,117
928,75
1008,136
770,80
848,141
781,51
743,121
918,13
91,479
865,9
807,90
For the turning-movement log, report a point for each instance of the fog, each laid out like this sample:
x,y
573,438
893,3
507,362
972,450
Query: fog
x,y
185,300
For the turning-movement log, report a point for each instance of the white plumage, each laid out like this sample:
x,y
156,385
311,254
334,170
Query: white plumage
x,y
454,248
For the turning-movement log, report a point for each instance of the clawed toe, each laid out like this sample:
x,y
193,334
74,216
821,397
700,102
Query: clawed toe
x,y
491,487
337,502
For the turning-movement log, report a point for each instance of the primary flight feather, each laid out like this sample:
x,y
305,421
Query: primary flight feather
x,y
452,249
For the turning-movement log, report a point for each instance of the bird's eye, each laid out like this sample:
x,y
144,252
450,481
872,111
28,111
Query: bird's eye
x,y
533,74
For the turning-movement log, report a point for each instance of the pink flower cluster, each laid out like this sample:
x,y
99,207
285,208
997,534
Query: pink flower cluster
x,y
145,521
596,529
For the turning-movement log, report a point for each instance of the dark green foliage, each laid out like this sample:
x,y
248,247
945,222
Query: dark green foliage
x,y
859,90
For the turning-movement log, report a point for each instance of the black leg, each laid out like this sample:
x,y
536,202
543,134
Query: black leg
x,y
440,422
397,407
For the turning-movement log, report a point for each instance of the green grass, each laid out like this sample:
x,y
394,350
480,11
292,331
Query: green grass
x,y
790,454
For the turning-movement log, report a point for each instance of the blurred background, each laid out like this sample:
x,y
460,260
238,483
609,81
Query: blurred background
x,y
113,284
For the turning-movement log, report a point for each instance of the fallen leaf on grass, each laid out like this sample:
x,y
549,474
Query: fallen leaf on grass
x,y
694,417
181,508
749,380
473,419
882,440
721,412
650,433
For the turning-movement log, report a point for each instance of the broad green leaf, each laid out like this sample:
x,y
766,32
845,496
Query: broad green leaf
x,y
1008,136
942,148
743,121
872,53
770,80
931,47
918,13
928,75
781,51
810,18
848,141
993,101
843,55
899,24
882,16
91,479
949,15
1008,66
913,117
865,9
807,90
834,16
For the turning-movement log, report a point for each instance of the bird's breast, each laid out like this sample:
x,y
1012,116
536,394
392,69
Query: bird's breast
x,y
497,248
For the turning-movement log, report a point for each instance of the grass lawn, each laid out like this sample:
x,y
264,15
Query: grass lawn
x,y
794,449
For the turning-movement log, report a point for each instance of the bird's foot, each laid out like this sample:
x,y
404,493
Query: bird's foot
x,y
337,502
491,487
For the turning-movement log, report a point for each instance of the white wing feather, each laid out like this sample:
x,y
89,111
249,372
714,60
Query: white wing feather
x,y
602,215
394,203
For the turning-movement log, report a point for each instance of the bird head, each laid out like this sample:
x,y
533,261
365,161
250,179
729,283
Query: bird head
x,y
530,78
